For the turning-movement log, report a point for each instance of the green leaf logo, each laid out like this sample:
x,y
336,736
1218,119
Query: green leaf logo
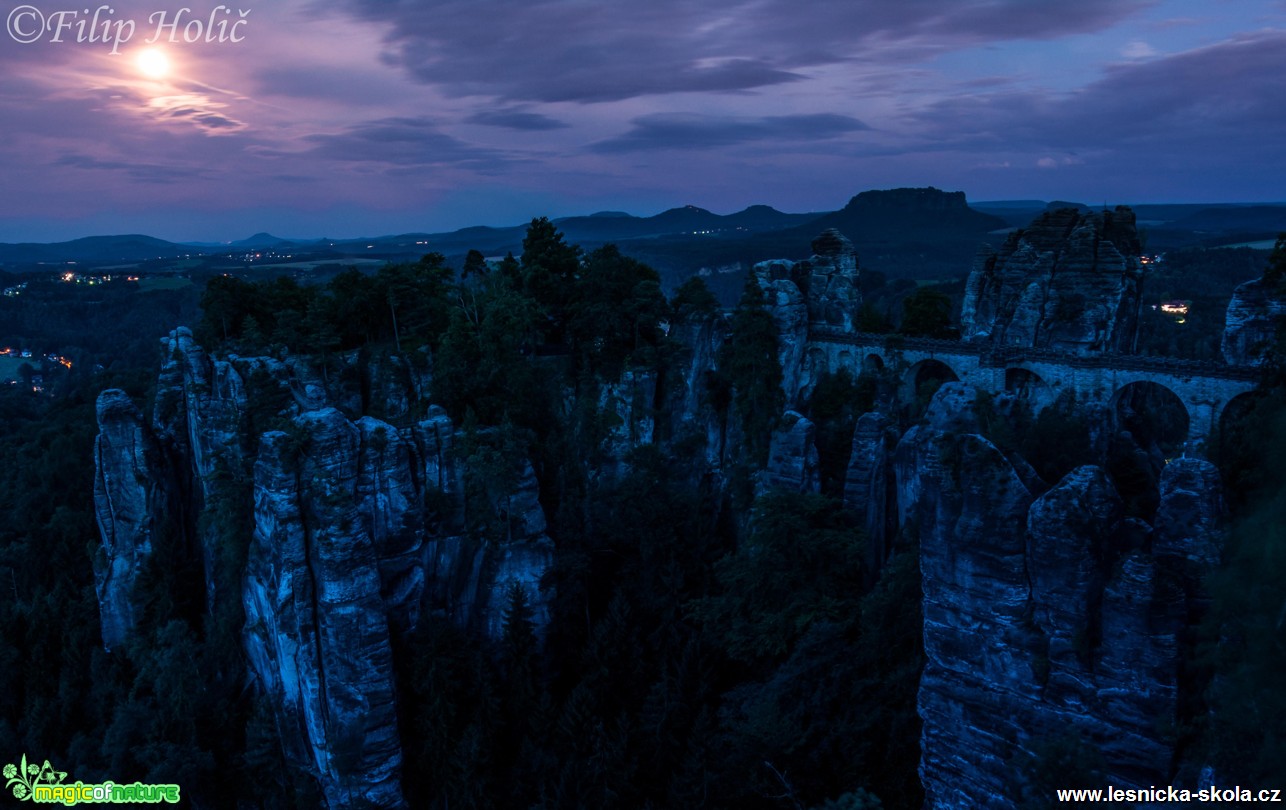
x,y
22,778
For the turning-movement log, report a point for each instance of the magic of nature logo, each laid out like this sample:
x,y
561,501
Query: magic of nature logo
x,y
43,784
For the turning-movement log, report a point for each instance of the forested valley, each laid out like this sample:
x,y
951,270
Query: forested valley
x,y
711,640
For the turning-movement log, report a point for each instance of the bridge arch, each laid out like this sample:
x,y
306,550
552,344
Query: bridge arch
x,y
1238,408
1155,412
924,378
1028,386
1206,389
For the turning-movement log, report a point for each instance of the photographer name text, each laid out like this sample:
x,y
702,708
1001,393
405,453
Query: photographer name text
x,y
100,26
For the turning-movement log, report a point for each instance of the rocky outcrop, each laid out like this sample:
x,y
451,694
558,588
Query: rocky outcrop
x,y
317,632
823,291
689,413
832,282
789,310
360,534
200,420
391,505
1189,537
1251,325
1069,282
1070,542
127,494
792,456
1109,623
969,517
1136,673
469,574
1046,618
361,531
517,560
868,488
200,405
629,404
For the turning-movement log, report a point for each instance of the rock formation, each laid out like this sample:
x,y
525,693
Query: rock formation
x,y
822,291
832,282
126,501
687,412
792,456
629,403
789,308
1068,282
1251,326
868,487
317,632
1045,618
1189,539
359,533
1047,612
910,215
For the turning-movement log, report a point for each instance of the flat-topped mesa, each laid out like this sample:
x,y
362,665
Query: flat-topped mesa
x,y
1068,282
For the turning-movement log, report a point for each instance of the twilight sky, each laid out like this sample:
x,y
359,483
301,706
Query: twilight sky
x,y
364,117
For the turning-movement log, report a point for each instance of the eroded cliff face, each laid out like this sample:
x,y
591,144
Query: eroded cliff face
x,y
360,530
869,490
684,413
1068,282
792,456
317,631
126,502
630,406
1251,324
1047,611
823,291
1046,618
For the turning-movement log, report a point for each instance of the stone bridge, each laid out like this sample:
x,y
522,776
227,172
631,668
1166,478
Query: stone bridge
x,y
1204,388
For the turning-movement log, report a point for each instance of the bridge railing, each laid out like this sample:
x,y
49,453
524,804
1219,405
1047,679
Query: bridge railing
x,y
829,334
999,356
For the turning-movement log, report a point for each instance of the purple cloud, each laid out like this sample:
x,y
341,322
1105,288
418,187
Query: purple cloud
x,y
402,142
551,51
685,131
516,119
142,172
425,114
1224,96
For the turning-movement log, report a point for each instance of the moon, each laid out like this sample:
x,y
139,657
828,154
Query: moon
x,y
153,63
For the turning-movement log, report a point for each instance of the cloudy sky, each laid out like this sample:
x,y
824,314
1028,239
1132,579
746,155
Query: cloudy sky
x,y
364,117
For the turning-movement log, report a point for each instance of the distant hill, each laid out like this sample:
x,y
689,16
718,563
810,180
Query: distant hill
x,y
908,214
990,205
919,233
1234,218
101,249
262,240
1058,205
686,220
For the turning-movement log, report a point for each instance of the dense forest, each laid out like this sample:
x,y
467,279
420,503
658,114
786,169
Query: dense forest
x,y
712,644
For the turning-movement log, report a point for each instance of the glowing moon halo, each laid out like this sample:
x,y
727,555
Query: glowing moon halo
x,y
153,63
